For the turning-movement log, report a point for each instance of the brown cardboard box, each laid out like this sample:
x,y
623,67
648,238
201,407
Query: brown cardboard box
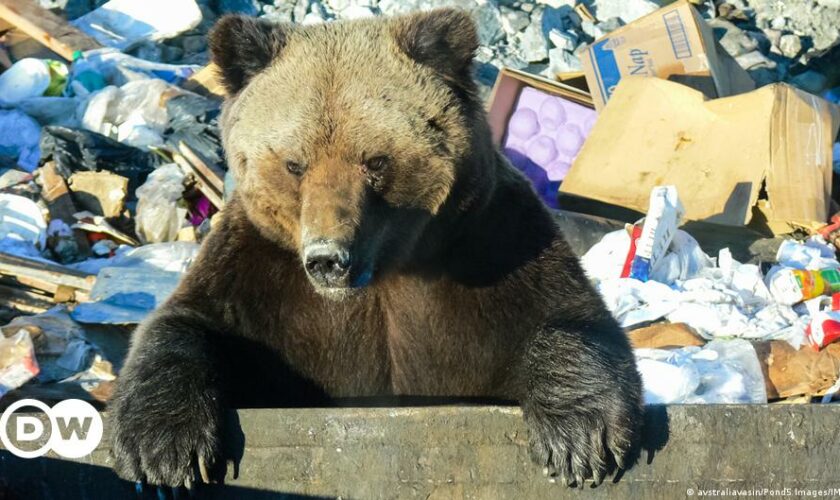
x,y
673,43
722,154
510,83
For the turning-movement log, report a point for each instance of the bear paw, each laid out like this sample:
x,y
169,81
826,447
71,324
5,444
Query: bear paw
x,y
166,440
579,445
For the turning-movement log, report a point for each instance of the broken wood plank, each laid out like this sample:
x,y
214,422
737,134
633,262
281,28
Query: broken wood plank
x,y
57,195
210,179
12,265
45,27
206,82
25,301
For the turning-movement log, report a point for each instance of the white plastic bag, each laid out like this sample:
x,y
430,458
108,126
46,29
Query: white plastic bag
x,y
19,137
22,220
123,24
118,69
159,217
134,114
723,371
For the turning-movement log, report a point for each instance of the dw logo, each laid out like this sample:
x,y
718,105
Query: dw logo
x,y
75,429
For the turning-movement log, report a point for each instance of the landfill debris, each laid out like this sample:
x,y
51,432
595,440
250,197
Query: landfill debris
x,y
672,43
21,219
123,24
113,148
102,193
540,126
17,361
664,215
730,158
159,218
19,137
723,371
31,77
664,335
135,283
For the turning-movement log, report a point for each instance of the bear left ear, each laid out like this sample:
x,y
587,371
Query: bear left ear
x,y
243,46
443,39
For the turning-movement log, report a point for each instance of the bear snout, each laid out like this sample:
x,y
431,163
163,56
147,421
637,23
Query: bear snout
x,y
327,263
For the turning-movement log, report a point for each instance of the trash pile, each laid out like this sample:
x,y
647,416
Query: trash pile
x,y
111,172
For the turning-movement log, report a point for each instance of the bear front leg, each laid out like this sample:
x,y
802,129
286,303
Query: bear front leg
x,y
167,411
583,400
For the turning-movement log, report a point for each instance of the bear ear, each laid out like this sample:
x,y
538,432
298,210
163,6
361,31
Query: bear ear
x,y
443,39
243,46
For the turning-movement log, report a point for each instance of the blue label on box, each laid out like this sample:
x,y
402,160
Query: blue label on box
x,y
606,68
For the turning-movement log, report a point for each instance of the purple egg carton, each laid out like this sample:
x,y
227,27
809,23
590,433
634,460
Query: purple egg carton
x,y
544,135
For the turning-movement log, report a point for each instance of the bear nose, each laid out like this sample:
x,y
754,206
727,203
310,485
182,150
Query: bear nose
x,y
327,262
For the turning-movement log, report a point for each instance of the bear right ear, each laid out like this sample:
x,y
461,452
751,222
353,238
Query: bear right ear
x,y
243,46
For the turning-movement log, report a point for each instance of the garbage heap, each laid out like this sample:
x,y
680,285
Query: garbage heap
x,y
111,173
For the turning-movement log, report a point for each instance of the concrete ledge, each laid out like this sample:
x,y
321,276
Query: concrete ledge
x,y
476,452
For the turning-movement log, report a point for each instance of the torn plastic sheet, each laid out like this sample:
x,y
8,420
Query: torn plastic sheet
x,y
720,372
136,283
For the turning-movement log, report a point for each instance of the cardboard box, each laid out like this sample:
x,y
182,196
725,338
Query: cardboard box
x,y
545,150
770,147
672,43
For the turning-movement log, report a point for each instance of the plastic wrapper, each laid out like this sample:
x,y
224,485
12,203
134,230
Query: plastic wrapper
x,y
134,114
22,220
123,24
115,68
17,361
19,138
82,150
723,371
159,214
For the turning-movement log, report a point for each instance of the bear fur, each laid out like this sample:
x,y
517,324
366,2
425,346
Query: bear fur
x,y
378,244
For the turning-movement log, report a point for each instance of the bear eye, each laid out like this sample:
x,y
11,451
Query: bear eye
x,y
377,164
294,167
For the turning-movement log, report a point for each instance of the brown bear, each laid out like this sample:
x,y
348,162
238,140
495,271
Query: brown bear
x,y
377,244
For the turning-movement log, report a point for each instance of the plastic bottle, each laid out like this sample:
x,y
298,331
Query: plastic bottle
x,y
791,286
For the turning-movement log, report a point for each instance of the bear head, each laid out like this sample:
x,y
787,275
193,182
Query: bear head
x,y
350,141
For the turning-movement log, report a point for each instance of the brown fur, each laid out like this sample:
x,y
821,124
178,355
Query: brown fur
x,y
369,135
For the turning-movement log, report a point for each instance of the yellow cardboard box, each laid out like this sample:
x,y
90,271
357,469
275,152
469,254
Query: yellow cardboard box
x,y
766,153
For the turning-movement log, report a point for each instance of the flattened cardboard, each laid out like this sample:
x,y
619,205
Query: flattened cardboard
x,y
672,43
721,154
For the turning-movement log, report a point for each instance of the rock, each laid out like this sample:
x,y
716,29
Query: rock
x,y
149,51
816,22
563,40
561,61
280,15
486,73
513,21
810,81
356,12
732,38
532,45
610,24
591,29
774,36
247,7
790,45
627,10
300,10
754,60
556,4
312,18
562,19
489,22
